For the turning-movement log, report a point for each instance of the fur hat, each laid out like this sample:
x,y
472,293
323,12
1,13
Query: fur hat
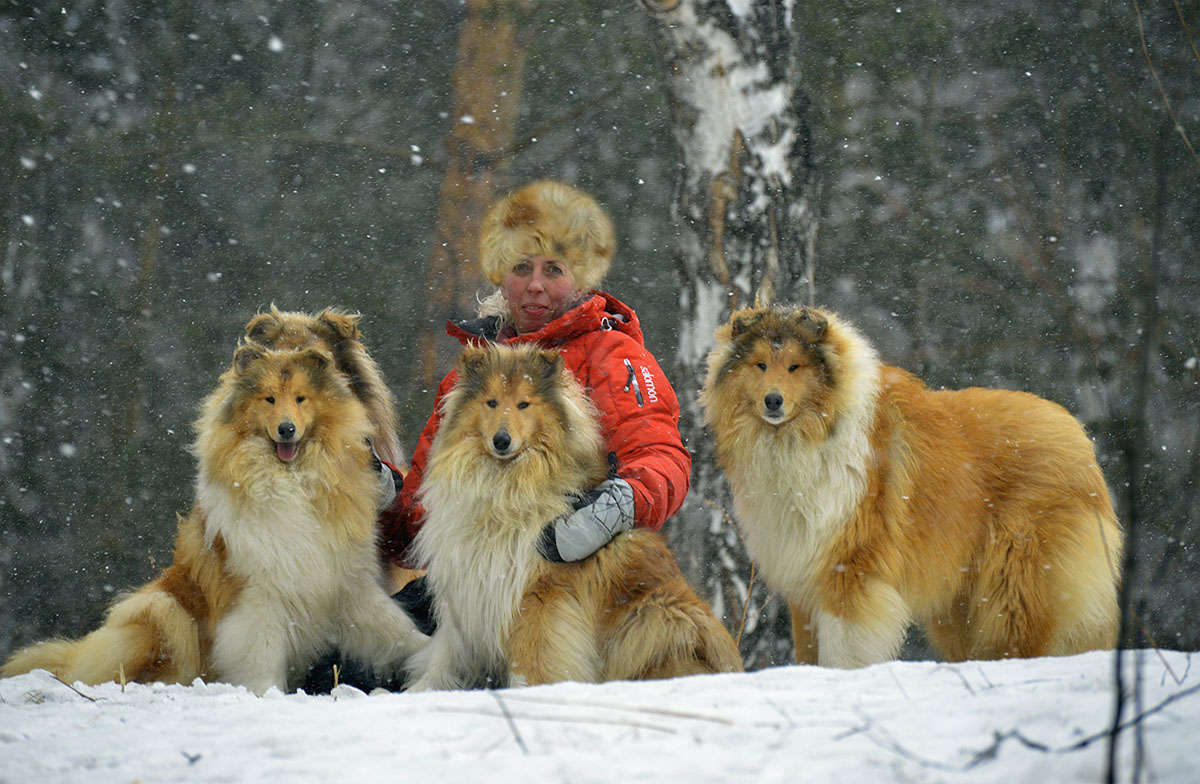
x,y
547,218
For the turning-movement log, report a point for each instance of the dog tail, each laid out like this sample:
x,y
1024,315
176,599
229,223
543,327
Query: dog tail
x,y
716,647
55,656
712,647
672,634
147,636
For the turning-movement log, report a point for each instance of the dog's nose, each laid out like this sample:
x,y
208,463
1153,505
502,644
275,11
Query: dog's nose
x,y
287,431
773,401
502,441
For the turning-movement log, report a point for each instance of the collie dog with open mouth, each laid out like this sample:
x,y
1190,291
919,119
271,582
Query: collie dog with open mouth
x,y
871,502
518,439
277,560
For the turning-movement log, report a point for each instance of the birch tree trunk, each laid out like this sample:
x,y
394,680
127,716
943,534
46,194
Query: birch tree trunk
x,y
746,218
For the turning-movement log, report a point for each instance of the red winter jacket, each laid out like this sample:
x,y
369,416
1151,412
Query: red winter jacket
x,y
601,342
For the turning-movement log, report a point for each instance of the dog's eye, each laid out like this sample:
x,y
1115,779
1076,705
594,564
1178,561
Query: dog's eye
x,y
270,400
300,398
762,366
523,404
492,404
793,368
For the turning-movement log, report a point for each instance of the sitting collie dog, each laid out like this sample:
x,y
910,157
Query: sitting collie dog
x,y
276,560
520,436
870,501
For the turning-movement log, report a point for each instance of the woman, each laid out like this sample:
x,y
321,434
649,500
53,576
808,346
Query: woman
x,y
546,246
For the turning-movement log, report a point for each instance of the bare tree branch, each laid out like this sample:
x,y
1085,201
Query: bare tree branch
x,y
1161,90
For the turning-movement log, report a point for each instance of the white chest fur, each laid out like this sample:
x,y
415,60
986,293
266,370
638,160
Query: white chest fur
x,y
277,541
792,497
478,573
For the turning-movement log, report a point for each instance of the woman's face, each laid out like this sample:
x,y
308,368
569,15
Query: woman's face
x,y
538,289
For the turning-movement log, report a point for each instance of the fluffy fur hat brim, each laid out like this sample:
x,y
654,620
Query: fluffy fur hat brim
x,y
548,218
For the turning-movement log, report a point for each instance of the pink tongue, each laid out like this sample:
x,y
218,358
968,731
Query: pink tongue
x,y
286,451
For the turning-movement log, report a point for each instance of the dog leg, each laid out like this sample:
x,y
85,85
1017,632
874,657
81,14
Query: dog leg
x,y
804,635
435,667
377,632
1011,611
873,634
553,642
949,631
250,649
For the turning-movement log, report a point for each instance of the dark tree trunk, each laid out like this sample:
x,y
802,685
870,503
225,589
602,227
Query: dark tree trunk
x,y
487,88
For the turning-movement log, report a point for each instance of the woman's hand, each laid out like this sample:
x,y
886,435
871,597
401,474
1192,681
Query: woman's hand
x,y
599,515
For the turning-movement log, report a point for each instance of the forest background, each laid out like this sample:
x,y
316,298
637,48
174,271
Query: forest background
x,y
1000,194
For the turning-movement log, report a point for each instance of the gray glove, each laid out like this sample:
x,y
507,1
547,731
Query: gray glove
x,y
599,515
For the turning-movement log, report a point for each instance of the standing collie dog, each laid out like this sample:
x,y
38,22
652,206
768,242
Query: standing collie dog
x,y
518,438
871,501
277,558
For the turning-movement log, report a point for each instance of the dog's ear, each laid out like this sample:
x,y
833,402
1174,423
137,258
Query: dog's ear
x,y
764,295
246,355
551,364
472,361
265,327
316,358
744,320
335,326
812,324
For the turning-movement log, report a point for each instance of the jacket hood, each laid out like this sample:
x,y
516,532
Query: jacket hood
x,y
601,311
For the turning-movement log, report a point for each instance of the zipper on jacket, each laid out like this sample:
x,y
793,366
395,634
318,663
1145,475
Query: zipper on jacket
x,y
632,382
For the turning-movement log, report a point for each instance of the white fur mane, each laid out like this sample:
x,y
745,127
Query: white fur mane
x,y
791,496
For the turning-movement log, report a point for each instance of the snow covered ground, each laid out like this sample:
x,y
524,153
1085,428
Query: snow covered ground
x,y
1039,720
